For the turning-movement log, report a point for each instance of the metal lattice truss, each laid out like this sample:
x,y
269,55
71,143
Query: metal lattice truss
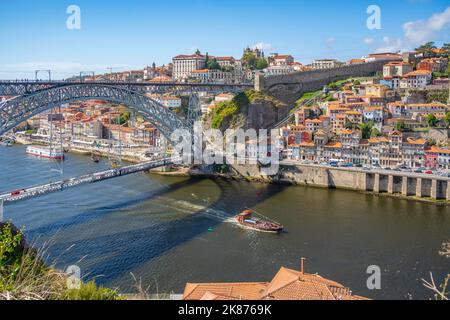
x,y
17,110
19,88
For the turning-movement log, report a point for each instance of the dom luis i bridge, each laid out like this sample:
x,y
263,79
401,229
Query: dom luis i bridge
x,y
31,98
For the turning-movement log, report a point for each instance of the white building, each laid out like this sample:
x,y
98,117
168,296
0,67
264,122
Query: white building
x,y
374,114
212,76
183,65
276,70
416,79
326,64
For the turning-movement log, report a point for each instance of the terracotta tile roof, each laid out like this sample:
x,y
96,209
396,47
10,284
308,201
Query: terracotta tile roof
x,y
420,141
224,58
306,144
379,140
243,291
418,73
192,56
313,121
333,145
287,284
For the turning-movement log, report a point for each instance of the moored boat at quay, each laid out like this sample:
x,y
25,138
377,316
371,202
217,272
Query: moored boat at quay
x,y
45,152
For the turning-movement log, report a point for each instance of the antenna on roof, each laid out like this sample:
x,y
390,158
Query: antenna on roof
x,y
302,269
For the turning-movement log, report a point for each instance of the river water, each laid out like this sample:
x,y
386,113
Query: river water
x,y
166,231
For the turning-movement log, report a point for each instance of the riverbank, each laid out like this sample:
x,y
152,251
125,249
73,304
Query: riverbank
x,y
131,156
412,188
426,189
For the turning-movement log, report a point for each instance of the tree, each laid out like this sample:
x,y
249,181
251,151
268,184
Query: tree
x,y
250,59
447,119
366,129
349,125
213,65
432,120
446,48
261,63
375,133
426,47
400,126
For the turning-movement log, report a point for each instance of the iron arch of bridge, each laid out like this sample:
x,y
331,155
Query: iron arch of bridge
x,y
22,108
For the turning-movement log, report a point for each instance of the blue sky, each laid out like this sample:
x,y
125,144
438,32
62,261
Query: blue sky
x,y
134,33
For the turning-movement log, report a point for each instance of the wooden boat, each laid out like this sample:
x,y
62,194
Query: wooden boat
x,y
247,220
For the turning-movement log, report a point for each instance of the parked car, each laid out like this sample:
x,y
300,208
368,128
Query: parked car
x,y
428,172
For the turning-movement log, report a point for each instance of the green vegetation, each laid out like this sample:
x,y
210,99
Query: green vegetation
x,y
124,118
400,126
447,119
368,130
432,120
24,276
427,47
213,65
253,62
226,110
433,96
307,96
261,63
31,131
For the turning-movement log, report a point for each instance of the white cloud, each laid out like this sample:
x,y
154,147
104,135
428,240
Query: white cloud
x,y
262,46
421,31
390,45
417,32
368,41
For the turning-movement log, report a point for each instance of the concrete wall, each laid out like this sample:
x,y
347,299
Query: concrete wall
x,y
289,88
390,183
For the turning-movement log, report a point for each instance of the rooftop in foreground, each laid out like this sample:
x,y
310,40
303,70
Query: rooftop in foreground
x,y
287,284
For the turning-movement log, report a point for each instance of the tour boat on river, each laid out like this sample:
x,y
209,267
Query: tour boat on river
x,y
246,220
46,152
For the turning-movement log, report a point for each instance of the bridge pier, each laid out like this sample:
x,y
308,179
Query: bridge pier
x,y
390,188
419,193
1,210
448,191
434,193
376,184
405,186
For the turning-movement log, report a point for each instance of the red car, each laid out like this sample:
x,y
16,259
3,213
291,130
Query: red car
x,y
428,172
17,192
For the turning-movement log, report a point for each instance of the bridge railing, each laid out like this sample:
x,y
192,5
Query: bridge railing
x,y
39,190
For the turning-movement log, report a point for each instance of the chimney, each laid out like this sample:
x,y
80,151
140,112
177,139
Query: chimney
x,y
302,270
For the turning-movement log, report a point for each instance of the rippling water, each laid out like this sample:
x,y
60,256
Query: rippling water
x,y
168,231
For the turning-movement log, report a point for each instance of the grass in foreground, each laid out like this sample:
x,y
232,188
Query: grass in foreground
x,y
24,276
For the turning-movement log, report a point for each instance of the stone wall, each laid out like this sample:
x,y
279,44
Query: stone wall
x,y
289,88
395,183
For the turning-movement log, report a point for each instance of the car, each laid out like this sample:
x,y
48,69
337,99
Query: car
x,y
387,168
428,172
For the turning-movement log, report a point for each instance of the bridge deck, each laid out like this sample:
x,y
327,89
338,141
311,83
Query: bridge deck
x,y
40,190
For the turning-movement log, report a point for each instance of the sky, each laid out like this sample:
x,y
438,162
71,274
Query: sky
x,y
131,34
